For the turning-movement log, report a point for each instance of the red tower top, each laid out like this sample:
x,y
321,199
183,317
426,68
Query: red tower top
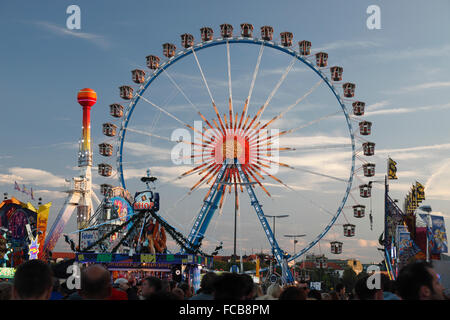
x,y
87,97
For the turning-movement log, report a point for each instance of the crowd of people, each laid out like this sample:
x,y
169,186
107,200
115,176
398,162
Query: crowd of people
x,y
35,280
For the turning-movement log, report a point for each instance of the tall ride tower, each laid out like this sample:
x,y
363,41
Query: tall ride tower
x,y
80,192
86,98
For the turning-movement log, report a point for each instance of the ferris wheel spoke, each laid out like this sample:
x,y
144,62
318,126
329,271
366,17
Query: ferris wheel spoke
x,y
310,123
180,90
271,176
230,89
321,209
148,134
203,75
248,170
277,86
252,85
202,180
325,147
353,197
209,91
162,110
279,116
320,174
172,116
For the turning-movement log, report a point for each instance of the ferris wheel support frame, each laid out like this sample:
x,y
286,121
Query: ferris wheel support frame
x,y
255,41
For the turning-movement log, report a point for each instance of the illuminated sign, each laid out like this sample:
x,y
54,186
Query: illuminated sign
x,y
7,273
142,206
143,201
33,249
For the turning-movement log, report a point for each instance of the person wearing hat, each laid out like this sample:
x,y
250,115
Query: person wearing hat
x,y
119,290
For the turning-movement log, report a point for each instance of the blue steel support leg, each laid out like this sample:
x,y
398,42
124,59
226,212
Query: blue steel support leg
x,y
279,254
207,211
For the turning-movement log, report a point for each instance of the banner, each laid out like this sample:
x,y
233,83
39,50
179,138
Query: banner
x,y
420,191
403,244
414,198
430,237
7,273
394,217
88,238
407,248
439,235
42,219
392,169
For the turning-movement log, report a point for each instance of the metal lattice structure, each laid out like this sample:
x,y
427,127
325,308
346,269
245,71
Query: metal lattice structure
x,y
231,137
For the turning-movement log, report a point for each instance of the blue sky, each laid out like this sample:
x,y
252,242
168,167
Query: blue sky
x,y
401,72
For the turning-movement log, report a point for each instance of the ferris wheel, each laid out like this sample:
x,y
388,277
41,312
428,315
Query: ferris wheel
x,y
247,134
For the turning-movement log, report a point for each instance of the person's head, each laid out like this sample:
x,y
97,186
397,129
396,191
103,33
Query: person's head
x,y
187,289
326,296
122,284
6,289
363,292
334,296
249,290
293,293
207,283
340,288
304,286
387,284
179,293
173,285
165,295
315,294
150,285
95,283
274,290
259,291
33,280
165,285
418,281
229,286
132,281
65,291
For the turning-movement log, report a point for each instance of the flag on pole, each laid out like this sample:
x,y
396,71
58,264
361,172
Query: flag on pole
x,y
420,191
24,190
430,237
439,235
392,169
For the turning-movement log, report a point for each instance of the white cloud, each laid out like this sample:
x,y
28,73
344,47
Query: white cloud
x,y
320,140
367,243
437,186
98,40
142,150
408,110
32,176
378,105
416,52
347,45
422,86
64,145
443,146
51,194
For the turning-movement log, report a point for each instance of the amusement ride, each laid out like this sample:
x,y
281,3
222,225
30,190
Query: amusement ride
x,y
234,150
